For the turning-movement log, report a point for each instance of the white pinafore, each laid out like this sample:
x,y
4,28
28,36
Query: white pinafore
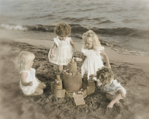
x,y
63,53
28,90
93,61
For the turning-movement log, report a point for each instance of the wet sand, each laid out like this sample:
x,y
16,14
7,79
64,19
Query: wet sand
x,y
131,71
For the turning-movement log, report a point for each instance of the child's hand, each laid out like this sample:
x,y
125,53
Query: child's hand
x,y
99,83
30,83
78,59
51,56
109,66
74,50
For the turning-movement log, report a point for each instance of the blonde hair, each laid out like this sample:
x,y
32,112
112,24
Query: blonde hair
x,y
105,75
62,29
24,58
90,36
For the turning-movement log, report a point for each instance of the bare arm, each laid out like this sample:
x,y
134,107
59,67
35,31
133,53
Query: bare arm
x,y
52,50
23,79
73,44
83,57
103,53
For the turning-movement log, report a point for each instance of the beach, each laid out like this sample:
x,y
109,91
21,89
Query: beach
x,y
131,71
123,29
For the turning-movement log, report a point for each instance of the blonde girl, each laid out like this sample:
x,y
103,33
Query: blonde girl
x,y
62,49
114,91
92,55
29,83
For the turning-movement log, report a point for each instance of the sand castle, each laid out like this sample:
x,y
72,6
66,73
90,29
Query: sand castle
x,y
73,85
72,80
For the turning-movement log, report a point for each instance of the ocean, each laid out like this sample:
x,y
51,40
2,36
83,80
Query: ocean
x,y
122,23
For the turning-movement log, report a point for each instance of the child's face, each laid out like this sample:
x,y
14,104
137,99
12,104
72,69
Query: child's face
x,y
31,63
107,80
89,45
62,37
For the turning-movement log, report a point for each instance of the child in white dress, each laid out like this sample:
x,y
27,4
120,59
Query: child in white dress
x,y
29,84
114,91
92,51
62,51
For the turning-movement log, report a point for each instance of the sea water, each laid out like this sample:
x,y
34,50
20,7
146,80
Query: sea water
x,y
123,23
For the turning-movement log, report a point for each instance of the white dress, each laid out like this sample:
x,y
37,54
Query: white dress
x,y
113,87
93,61
63,52
27,90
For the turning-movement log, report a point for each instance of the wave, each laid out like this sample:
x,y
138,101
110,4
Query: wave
x,y
13,27
106,21
124,31
74,19
77,28
37,17
124,51
119,49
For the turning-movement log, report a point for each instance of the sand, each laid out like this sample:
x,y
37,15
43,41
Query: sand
x,y
131,71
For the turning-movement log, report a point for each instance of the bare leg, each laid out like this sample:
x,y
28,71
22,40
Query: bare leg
x,y
122,93
38,91
60,67
42,86
109,96
116,99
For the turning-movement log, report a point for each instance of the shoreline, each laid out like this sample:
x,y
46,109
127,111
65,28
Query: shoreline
x,y
77,37
46,40
138,61
113,55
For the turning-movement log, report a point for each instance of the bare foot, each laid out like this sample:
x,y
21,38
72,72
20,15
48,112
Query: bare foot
x,y
110,105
